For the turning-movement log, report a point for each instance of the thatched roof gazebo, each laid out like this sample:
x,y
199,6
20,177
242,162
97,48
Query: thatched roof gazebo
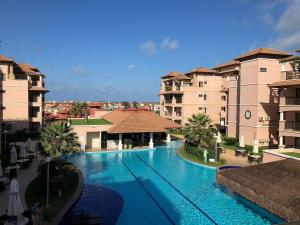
x,y
274,186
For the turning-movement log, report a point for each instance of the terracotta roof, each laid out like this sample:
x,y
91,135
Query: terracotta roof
x,y
265,51
29,69
202,70
292,58
172,74
5,59
137,122
95,104
181,77
229,63
286,83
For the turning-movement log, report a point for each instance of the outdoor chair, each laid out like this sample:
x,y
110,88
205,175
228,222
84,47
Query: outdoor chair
x,y
250,159
237,153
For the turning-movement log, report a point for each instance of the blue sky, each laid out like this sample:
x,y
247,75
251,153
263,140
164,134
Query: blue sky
x,y
117,50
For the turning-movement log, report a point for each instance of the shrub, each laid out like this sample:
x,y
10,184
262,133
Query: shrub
x,y
231,141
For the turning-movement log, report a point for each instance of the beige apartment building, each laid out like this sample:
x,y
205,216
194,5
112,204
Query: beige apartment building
x,y
288,91
253,107
243,95
198,91
22,95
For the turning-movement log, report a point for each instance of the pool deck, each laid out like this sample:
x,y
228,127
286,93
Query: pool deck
x,y
25,176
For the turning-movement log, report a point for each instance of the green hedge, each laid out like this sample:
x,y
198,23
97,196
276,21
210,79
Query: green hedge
x,y
231,141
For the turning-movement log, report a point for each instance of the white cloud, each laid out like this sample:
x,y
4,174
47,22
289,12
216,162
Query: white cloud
x,y
287,26
79,70
169,44
131,67
148,47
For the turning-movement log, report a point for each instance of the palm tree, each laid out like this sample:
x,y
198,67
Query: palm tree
x,y
199,131
58,139
79,108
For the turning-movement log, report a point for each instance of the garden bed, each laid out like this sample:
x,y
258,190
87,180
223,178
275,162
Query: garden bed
x,y
36,193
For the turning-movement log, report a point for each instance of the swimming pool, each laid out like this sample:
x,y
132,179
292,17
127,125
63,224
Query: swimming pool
x,y
157,187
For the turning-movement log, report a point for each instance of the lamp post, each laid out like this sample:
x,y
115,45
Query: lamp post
x,y
48,159
218,142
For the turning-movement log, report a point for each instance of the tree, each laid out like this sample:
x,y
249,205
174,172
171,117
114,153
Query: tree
x,y
79,109
135,104
199,131
58,139
125,105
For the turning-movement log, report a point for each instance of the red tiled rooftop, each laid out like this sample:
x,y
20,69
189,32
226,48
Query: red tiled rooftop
x,y
202,70
5,59
229,63
265,51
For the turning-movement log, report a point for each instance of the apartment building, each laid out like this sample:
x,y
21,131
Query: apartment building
x,y
198,91
22,95
288,90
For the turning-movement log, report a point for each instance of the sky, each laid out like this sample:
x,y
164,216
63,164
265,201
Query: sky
x,y
111,50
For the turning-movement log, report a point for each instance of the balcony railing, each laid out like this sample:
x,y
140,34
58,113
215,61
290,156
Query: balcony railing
x,y
292,75
292,125
168,101
178,100
292,101
178,113
168,88
168,114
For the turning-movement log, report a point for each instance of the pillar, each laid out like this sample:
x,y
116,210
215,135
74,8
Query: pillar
x,y
120,145
143,138
281,142
100,140
151,140
281,116
168,138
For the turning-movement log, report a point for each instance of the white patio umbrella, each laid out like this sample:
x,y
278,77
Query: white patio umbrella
x,y
29,145
255,147
13,155
1,171
242,141
23,151
15,207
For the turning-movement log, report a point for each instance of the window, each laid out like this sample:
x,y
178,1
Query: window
x,y
200,96
263,69
204,109
205,82
223,109
223,97
200,84
204,97
200,108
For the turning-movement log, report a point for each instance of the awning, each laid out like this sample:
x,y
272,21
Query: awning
x,y
286,83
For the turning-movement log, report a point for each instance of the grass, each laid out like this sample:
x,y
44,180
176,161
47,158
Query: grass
x,y
195,159
35,192
293,154
89,122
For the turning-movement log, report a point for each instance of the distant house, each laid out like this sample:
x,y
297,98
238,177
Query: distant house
x,y
122,129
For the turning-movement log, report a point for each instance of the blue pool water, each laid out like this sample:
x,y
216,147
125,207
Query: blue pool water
x,y
158,187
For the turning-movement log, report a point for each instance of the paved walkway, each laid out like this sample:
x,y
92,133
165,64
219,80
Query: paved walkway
x,y
231,159
25,176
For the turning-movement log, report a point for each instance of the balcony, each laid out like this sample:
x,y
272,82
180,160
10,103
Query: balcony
x,y
177,114
292,125
292,100
292,75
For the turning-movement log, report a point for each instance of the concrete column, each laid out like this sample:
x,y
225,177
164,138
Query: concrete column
x,y
168,138
120,145
143,138
151,140
281,142
100,140
281,116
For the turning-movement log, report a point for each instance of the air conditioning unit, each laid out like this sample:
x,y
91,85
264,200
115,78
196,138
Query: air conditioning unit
x,y
261,119
267,118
